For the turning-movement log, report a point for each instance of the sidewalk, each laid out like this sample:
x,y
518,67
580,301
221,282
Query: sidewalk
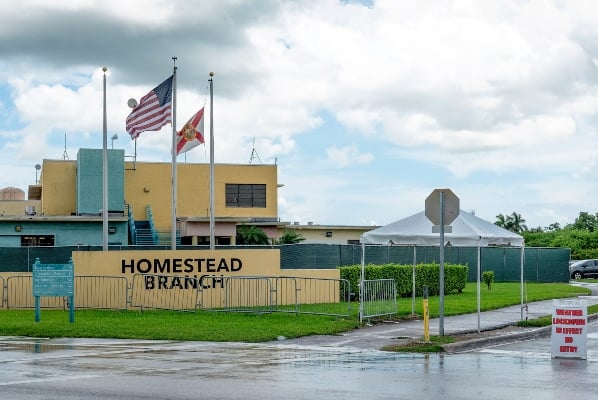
x,y
377,336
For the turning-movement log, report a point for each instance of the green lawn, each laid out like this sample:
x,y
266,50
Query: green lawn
x,y
247,327
502,295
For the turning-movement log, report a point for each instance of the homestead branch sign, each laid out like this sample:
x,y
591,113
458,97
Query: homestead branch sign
x,y
569,336
194,271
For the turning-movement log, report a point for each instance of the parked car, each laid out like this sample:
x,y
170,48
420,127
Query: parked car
x,y
584,269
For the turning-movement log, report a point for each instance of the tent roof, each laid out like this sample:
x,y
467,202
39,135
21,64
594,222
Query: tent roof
x,y
467,231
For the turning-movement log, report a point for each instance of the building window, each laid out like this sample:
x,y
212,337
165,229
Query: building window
x,y
246,195
35,241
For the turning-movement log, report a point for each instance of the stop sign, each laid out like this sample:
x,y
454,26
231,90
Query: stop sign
x,y
451,206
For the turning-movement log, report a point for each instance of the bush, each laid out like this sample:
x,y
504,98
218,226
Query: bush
x,y
488,278
455,277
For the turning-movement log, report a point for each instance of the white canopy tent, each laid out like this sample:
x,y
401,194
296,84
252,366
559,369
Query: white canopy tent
x,y
467,231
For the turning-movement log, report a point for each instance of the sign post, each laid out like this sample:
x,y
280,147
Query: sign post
x,y
53,280
443,215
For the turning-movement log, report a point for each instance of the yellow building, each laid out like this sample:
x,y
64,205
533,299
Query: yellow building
x,y
327,234
65,208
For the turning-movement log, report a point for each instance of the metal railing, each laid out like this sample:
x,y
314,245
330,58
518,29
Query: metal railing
x,y
99,292
131,221
299,295
150,219
164,292
2,298
304,295
379,298
19,294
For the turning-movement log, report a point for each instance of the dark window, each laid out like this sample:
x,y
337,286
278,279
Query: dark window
x,y
353,241
246,195
34,241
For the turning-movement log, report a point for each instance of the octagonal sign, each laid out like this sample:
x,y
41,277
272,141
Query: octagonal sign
x,y
451,206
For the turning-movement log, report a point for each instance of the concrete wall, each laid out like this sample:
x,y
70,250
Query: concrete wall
x,y
59,181
17,207
66,233
150,184
153,292
328,234
90,180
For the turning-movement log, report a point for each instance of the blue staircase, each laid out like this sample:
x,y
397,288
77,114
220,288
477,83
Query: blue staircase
x,y
144,233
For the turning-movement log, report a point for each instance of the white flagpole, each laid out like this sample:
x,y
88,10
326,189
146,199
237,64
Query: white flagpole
x,y
174,172
105,174
212,228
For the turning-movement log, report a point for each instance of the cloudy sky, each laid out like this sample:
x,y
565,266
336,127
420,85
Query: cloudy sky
x,y
366,106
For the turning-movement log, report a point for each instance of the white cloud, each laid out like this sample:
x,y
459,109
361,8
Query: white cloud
x,y
348,155
456,92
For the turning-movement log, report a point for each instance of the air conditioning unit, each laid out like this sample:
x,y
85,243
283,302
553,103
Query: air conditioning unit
x,y
30,210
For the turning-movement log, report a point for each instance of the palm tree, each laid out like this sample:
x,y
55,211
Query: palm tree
x,y
517,224
501,221
251,235
514,222
290,236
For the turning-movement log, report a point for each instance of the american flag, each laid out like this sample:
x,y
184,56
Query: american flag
x,y
153,110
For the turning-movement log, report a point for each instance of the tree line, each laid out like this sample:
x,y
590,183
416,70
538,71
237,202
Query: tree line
x,y
581,236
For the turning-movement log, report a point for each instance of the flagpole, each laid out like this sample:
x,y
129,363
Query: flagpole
x,y
105,174
212,228
174,169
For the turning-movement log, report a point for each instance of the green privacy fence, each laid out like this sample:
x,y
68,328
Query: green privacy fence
x,y
540,264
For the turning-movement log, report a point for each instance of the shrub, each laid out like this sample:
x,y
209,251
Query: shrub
x,y
488,278
455,277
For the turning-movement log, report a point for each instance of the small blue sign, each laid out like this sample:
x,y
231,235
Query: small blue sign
x,y
53,280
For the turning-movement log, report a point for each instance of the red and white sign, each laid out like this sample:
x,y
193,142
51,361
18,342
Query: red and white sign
x,y
569,338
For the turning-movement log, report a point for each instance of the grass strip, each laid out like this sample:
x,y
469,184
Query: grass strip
x,y
250,327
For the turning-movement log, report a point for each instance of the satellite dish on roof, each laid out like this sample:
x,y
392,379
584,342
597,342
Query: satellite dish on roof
x,y
132,103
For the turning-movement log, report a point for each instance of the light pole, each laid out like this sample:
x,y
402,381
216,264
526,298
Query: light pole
x,y
37,168
113,138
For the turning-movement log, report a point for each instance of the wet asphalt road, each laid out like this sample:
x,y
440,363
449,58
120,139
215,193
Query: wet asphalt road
x,y
109,369
336,367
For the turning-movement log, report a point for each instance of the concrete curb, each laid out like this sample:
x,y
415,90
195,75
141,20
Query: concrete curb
x,y
467,345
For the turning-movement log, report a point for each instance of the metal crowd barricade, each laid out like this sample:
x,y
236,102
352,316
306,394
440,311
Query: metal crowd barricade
x,y
379,297
107,292
176,292
101,292
165,292
283,294
236,293
248,293
326,296
19,294
2,299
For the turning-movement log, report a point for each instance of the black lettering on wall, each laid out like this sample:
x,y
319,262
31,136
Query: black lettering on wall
x,y
163,268
140,266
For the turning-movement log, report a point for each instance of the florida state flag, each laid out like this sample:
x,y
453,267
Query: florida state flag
x,y
192,133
